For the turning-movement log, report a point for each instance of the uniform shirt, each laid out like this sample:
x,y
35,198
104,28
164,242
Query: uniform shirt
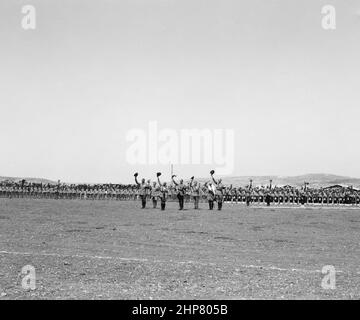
x,y
155,191
143,189
219,189
181,188
195,191
163,192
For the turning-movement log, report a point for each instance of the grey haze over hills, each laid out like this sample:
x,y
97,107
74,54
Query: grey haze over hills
x,y
32,180
315,179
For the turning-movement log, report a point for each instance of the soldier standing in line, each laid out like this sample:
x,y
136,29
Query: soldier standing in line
x,y
143,187
181,189
219,193
154,193
163,192
195,192
148,189
233,194
210,189
249,194
268,198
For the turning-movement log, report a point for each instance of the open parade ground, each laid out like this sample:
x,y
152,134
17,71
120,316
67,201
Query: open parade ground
x,y
113,249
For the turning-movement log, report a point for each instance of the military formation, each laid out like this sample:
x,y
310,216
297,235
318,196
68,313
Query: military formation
x,y
23,189
213,191
192,191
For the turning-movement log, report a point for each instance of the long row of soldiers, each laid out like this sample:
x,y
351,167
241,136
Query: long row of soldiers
x,y
192,190
215,191
65,191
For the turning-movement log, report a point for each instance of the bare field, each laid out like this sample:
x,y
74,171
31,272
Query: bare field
x,y
115,250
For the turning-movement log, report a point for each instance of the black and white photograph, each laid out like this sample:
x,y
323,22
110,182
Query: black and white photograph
x,y
179,150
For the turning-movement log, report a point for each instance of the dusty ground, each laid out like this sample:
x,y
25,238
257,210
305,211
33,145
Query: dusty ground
x,y
108,250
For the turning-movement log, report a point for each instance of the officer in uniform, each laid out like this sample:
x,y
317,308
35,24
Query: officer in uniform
x,y
143,188
181,189
210,192
195,192
163,192
155,193
219,190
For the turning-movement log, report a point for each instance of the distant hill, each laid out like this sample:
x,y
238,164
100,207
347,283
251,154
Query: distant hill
x,y
315,180
32,180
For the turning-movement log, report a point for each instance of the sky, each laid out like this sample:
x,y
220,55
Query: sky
x,y
92,71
